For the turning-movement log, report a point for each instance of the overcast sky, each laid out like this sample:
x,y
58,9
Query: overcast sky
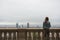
x,y
29,10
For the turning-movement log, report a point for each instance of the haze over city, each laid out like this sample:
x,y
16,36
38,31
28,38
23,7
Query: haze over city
x,y
32,11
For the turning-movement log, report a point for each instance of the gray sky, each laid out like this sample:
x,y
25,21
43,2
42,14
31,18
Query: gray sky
x,y
29,10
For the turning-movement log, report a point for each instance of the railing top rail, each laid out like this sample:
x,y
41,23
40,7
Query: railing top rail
x,y
28,29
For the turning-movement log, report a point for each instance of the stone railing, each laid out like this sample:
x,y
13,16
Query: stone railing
x,y
28,34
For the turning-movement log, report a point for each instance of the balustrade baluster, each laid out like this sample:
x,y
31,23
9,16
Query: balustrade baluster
x,y
0,35
18,35
57,35
5,35
39,37
43,37
34,35
29,38
52,35
14,35
25,35
9,36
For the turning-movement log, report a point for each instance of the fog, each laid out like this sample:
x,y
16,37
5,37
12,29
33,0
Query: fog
x,y
33,11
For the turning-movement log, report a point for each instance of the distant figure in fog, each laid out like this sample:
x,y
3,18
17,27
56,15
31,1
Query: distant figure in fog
x,y
46,26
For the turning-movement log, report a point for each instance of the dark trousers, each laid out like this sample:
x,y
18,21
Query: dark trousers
x,y
46,34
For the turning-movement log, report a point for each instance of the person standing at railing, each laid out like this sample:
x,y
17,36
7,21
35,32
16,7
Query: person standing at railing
x,y
46,26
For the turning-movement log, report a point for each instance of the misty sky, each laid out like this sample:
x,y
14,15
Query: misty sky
x,y
29,10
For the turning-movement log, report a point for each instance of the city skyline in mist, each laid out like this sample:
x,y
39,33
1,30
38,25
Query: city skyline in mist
x,y
33,11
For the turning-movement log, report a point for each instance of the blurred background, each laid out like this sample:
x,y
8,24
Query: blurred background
x,y
29,11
